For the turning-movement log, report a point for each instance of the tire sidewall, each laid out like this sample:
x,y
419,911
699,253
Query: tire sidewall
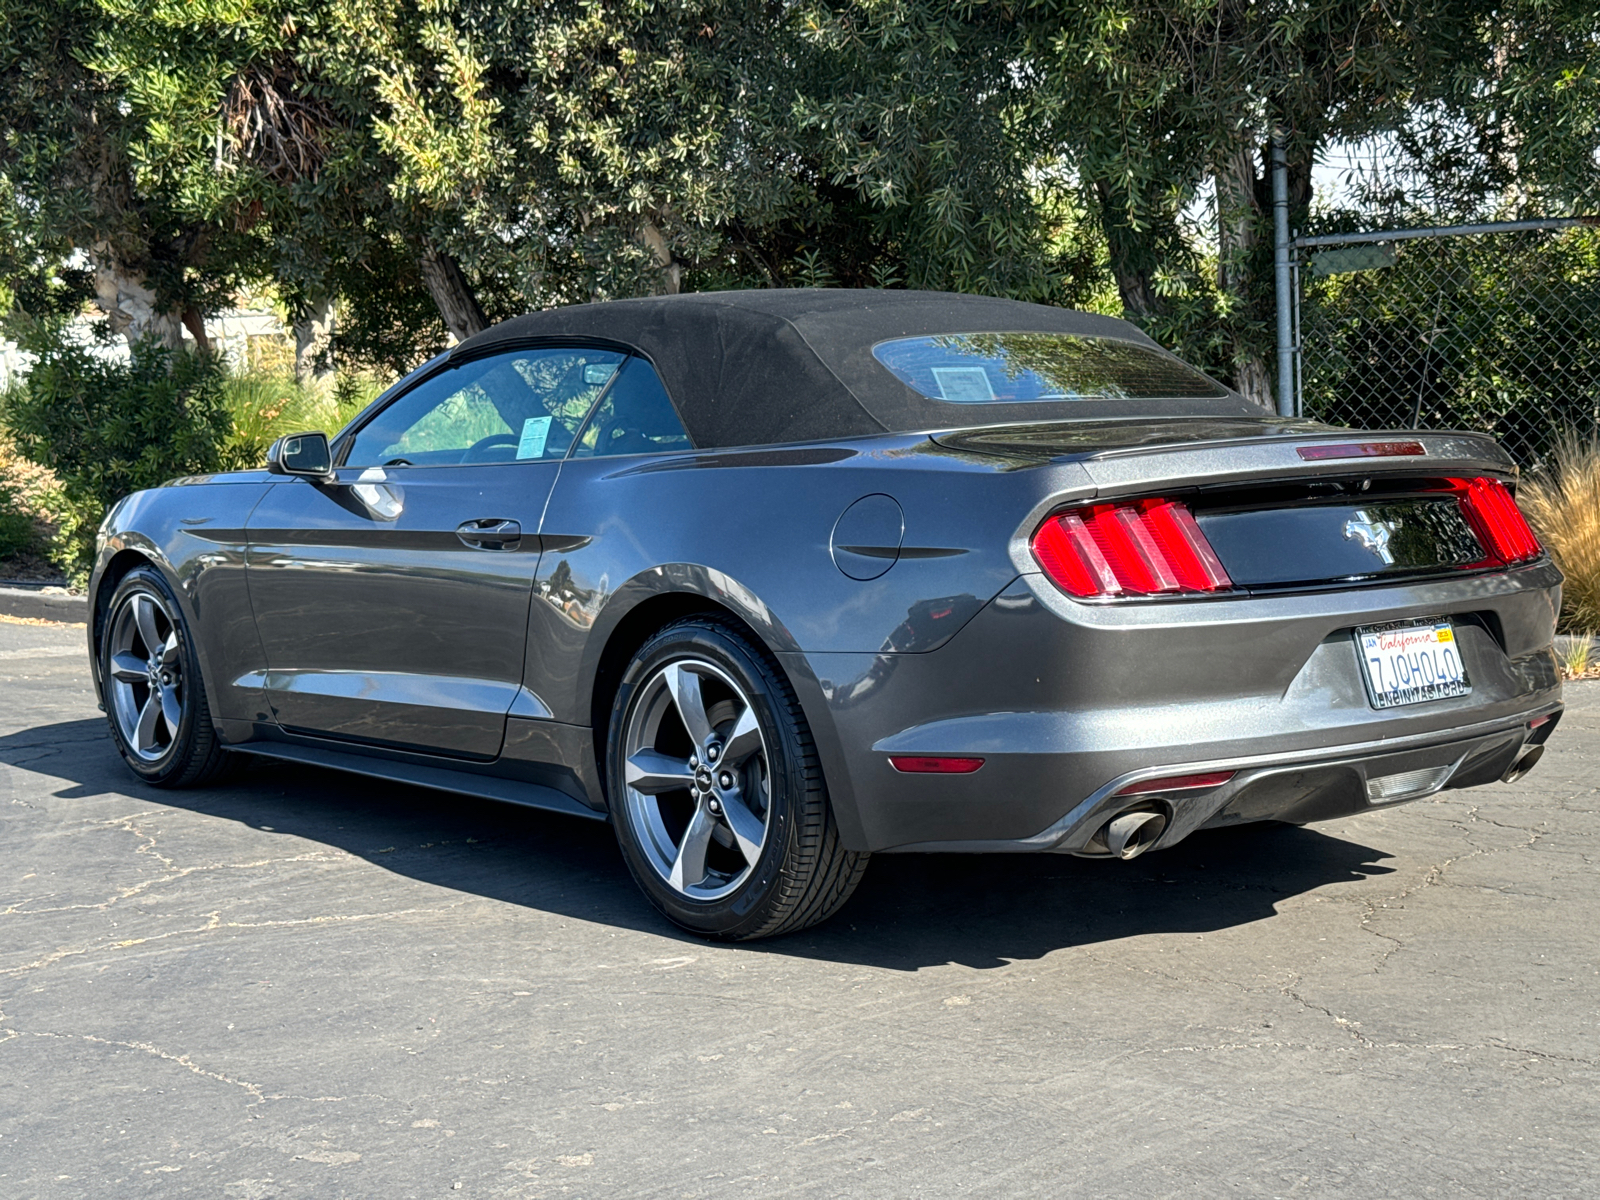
x,y
177,758
749,906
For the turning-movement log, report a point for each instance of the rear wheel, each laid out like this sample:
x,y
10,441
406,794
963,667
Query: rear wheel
x,y
716,792
155,698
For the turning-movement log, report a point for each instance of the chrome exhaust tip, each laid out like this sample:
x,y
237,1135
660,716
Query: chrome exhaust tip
x,y
1526,761
1131,834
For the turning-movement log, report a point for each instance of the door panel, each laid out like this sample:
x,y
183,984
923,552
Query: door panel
x,y
379,621
393,603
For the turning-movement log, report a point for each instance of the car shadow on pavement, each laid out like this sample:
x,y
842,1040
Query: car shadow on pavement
x,y
910,911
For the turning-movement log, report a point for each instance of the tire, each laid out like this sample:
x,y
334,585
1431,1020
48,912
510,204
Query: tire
x,y
722,815
155,697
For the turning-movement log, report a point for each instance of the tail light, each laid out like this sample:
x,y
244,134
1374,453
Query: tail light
x,y
1141,548
933,764
1178,783
1494,516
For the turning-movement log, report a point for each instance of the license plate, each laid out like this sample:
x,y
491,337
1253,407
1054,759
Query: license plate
x,y
1411,663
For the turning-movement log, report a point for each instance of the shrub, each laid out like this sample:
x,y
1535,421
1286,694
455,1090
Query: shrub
x,y
27,517
1563,503
263,406
17,531
107,428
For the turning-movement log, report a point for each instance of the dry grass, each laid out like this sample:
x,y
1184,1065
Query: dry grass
x,y
1563,503
1578,661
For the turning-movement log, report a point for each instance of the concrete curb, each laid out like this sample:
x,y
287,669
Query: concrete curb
x,y
44,604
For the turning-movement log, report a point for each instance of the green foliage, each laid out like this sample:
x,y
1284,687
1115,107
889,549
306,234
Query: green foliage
x,y
353,391
262,407
28,515
1493,333
1162,108
107,428
17,530
556,151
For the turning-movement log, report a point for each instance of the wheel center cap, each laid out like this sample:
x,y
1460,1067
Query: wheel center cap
x,y
702,779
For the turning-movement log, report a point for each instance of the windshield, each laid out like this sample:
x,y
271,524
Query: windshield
x,y
1020,368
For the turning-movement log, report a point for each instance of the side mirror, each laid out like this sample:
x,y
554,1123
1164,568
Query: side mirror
x,y
304,454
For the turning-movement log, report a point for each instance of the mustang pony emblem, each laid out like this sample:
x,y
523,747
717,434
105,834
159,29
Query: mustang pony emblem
x,y
1373,535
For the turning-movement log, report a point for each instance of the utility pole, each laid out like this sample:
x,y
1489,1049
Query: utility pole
x,y
1280,264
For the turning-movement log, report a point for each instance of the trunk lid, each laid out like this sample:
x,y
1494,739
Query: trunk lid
x,y
1284,503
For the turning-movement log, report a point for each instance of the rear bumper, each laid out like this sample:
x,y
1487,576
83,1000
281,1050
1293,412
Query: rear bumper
x,y
1068,703
1297,788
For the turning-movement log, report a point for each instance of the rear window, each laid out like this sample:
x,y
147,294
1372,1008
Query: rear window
x,y
1021,368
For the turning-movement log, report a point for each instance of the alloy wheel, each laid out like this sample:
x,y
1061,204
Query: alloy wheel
x,y
697,779
145,672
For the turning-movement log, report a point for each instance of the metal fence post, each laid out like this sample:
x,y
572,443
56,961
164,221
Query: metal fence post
x,y
1280,264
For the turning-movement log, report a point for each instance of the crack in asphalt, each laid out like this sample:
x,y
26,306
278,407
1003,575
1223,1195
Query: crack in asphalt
x,y
1434,876
1510,1049
146,885
174,872
182,1060
1344,1023
54,743
256,1091
214,925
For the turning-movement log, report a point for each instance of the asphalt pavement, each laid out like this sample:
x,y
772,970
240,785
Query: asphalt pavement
x,y
303,984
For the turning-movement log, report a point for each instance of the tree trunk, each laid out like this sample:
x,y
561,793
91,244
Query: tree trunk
x,y
129,305
671,272
196,325
1239,226
313,342
451,292
1132,264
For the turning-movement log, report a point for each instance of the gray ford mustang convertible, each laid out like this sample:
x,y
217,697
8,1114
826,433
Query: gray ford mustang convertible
x,y
775,580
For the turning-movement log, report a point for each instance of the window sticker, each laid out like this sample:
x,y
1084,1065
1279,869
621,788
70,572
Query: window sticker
x,y
964,385
535,432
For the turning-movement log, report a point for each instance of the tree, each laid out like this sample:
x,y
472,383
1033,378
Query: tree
x,y
87,133
438,167
1158,103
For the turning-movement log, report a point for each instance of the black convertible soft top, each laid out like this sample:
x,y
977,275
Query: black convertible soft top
x,y
748,368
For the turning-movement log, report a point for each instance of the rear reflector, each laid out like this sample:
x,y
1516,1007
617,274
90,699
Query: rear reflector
x,y
1494,516
1361,450
1177,783
913,764
1142,548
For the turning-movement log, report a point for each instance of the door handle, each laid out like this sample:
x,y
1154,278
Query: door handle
x,y
490,533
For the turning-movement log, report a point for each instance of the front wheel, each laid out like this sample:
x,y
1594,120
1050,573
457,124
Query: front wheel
x,y
155,698
716,791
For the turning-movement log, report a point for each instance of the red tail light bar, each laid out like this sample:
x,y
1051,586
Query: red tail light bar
x,y
1494,516
1155,547
1141,548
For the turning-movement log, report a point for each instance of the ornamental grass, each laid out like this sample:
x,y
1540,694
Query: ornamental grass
x,y
1562,501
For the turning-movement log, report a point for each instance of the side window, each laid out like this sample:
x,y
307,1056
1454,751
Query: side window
x,y
636,417
521,405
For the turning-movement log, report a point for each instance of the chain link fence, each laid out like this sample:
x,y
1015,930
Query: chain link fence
x,y
1487,327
